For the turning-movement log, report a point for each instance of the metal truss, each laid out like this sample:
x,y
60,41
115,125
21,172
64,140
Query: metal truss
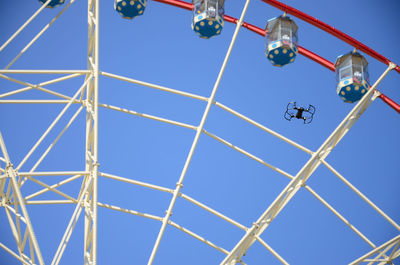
x,y
302,176
13,178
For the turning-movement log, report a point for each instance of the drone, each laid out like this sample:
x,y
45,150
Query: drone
x,y
292,111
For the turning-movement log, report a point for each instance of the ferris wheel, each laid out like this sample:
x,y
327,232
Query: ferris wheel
x,y
160,149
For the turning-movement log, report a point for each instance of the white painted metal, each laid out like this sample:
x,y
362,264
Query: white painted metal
x,y
136,182
50,127
24,25
53,173
18,196
148,116
264,128
63,244
38,35
33,101
240,150
56,140
30,71
270,249
174,91
302,176
199,130
91,153
87,199
382,249
365,198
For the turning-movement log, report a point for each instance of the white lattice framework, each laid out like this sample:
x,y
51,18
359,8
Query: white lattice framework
x,y
13,202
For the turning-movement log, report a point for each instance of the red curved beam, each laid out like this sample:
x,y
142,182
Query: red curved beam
x,y
303,51
177,3
331,30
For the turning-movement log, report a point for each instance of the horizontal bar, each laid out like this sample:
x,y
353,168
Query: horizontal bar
x,y
166,89
32,71
135,182
44,202
116,208
53,173
148,116
35,101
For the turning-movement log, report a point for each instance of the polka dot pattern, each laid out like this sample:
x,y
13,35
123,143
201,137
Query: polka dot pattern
x,y
129,9
350,92
52,3
280,54
206,27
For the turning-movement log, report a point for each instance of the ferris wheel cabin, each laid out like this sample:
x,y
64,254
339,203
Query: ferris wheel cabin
x,y
352,78
208,18
53,3
281,40
130,9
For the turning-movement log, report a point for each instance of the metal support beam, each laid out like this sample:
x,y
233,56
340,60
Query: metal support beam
x,y
12,174
302,176
90,203
382,249
38,35
199,130
24,25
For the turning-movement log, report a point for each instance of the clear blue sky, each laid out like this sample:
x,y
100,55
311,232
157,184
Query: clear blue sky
x,y
160,47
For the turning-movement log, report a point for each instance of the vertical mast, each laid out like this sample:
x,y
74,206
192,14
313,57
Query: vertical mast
x,y
91,155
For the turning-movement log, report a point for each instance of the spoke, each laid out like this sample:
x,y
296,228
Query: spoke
x,y
262,127
386,246
74,218
152,117
57,138
273,252
136,182
14,254
12,175
51,126
301,177
24,25
162,88
199,130
52,187
40,85
240,150
123,210
362,196
38,35
202,239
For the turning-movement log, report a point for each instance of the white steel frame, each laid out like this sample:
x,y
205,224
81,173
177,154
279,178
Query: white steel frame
x,y
12,178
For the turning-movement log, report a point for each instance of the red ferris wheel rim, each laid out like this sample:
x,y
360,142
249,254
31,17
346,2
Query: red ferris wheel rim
x,y
303,51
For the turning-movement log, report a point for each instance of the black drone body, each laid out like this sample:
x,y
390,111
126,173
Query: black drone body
x,y
292,111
